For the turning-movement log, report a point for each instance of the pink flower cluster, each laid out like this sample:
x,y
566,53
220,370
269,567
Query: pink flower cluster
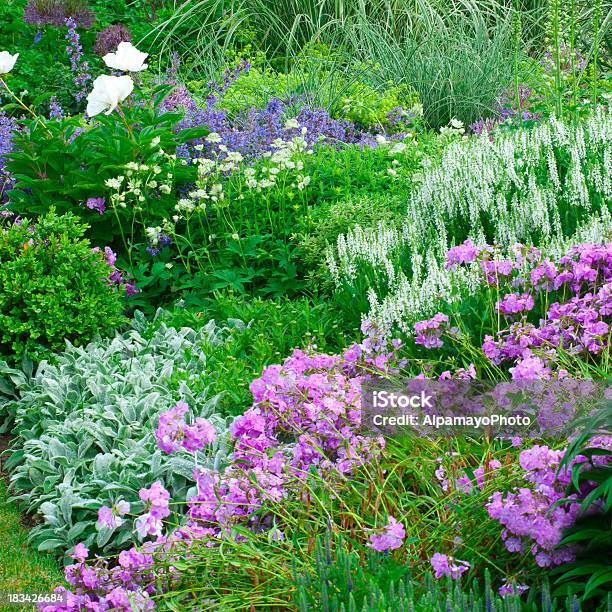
x,y
532,516
173,433
157,508
574,295
513,303
112,517
466,484
128,584
429,331
575,323
305,415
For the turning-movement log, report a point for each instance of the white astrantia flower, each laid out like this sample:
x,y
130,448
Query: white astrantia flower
x,y
7,61
127,58
107,93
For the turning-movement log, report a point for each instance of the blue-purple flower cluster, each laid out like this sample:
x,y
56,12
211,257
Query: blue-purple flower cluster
x,y
253,131
78,65
8,127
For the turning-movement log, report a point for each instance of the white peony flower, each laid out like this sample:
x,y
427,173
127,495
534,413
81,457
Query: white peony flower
x,y
108,92
127,58
7,61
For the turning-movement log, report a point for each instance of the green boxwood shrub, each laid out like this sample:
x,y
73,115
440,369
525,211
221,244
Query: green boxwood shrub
x,y
53,288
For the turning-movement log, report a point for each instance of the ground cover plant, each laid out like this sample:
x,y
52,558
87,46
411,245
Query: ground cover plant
x,y
226,226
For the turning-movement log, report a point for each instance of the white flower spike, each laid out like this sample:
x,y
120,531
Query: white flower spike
x,y
127,58
108,92
7,61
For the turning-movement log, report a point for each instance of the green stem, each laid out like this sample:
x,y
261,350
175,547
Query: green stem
x,y
24,106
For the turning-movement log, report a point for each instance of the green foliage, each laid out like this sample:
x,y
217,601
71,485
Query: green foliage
x,y
335,217
590,575
340,580
126,159
273,329
53,288
246,241
84,428
344,89
24,570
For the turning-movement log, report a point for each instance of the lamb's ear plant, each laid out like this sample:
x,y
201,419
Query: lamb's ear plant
x,y
84,429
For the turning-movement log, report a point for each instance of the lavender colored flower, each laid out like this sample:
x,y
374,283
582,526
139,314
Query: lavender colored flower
x,y
578,324
109,38
8,128
162,241
389,538
513,303
429,331
306,415
508,588
533,515
173,432
80,552
487,125
98,204
115,278
111,517
444,565
157,508
55,110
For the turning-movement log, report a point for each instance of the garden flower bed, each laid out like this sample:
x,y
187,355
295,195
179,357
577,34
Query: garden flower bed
x,y
305,305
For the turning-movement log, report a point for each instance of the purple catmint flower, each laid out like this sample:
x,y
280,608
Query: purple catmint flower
x,y
162,241
55,109
8,128
78,65
389,538
444,565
